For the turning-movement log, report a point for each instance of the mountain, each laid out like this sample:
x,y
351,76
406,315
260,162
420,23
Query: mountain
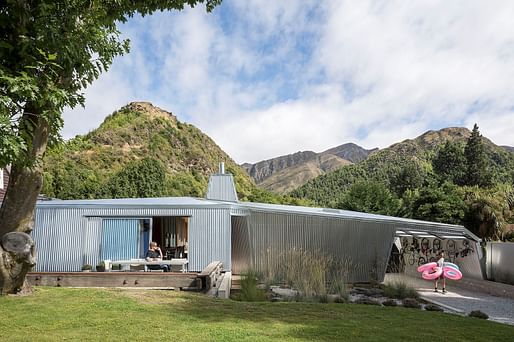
x,y
508,148
396,165
285,173
138,151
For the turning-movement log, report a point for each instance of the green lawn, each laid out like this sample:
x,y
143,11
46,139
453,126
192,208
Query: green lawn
x,y
121,315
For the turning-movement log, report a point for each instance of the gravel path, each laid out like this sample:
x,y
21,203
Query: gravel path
x,y
461,301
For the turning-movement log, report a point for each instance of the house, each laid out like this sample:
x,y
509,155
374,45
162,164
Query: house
x,y
4,180
69,234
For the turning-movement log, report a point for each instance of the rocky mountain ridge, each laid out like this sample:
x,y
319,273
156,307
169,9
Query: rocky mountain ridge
x,y
285,173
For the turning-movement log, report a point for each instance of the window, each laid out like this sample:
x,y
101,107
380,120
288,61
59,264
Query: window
x,y
1,178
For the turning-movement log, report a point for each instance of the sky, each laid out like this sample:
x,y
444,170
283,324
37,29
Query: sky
x,y
265,78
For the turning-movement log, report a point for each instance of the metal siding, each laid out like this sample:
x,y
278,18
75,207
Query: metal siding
x,y
120,239
362,247
209,239
92,238
221,187
67,238
240,248
499,261
58,240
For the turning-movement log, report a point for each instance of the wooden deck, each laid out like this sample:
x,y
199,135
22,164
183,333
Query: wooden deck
x,y
116,279
207,281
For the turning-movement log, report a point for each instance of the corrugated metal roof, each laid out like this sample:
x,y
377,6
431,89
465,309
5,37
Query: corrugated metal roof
x,y
176,202
190,202
427,225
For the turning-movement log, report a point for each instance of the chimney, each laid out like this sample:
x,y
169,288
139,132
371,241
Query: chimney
x,y
221,186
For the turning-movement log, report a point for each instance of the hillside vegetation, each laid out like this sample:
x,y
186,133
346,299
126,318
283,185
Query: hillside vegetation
x,y
142,151
451,176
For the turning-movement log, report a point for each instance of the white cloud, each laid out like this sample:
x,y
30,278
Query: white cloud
x,y
265,79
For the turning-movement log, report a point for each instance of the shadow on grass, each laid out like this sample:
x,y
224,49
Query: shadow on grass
x,y
314,321
133,315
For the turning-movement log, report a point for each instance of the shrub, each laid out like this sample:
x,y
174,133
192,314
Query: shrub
x,y
433,307
87,267
249,290
400,290
306,272
478,314
100,267
338,287
411,303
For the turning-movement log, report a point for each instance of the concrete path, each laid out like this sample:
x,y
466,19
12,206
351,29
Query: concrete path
x,y
461,301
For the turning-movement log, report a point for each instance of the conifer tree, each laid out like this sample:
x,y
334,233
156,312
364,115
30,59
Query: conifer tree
x,y
450,164
477,169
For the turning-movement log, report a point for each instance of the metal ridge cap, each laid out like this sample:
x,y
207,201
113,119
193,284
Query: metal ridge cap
x,y
114,203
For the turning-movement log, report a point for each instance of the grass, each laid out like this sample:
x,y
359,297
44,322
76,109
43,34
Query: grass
x,y
53,314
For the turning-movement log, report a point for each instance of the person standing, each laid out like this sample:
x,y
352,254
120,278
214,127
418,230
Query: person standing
x,y
440,263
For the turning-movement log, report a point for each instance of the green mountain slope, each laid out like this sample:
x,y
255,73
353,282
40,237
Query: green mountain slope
x,y
406,164
141,151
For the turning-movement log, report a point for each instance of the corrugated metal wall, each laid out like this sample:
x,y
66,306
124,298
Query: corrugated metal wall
x,y
499,261
120,239
221,187
240,243
361,247
67,238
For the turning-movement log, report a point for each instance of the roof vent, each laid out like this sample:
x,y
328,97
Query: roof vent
x,y
222,168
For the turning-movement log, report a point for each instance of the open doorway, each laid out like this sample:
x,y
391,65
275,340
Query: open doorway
x,y
172,234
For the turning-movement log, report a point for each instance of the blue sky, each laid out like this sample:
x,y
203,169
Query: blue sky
x,y
267,78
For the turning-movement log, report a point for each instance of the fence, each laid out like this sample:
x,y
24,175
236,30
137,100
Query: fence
x,y
499,265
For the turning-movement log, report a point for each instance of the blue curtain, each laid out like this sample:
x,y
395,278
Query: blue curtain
x,y
120,239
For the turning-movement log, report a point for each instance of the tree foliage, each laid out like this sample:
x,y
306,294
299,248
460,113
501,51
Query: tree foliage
x,y
436,203
446,183
49,52
477,164
450,164
371,197
141,178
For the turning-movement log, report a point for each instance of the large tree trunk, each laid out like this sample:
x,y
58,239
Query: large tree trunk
x,y
18,206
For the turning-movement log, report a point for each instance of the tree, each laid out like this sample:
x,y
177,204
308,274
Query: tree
x,y
370,197
450,164
409,176
142,178
490,212
438,204
477,169
49,52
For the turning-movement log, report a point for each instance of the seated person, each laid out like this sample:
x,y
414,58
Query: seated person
x,y
154,253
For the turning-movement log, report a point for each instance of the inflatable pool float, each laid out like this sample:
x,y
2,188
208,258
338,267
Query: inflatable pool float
x,y
430,271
